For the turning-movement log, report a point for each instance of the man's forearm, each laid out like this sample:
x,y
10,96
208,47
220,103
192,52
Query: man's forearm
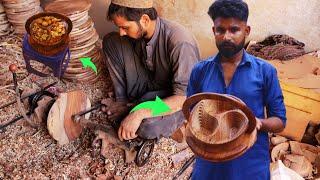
x,y
272,124
175,102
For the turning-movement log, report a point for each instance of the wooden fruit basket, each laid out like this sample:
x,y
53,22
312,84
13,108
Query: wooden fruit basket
x,y
220,127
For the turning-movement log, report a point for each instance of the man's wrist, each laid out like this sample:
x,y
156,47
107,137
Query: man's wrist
x,y
262,124
143,113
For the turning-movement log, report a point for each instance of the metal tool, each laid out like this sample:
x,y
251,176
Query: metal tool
x,y
144,147
184,167
77,117
27,96
33,99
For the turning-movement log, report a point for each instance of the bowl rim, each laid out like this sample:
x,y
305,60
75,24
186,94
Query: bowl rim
x,y
42,14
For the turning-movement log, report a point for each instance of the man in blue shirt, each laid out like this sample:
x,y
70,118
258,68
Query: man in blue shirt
x,y
233,71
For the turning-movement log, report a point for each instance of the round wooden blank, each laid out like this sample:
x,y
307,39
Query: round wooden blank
x,y
79,32
1,8
75,63
85,42
2,33
77,16
20,5
3,16
88,24
2,23
83,34
4,27
18,1
23,16
77,68
60,124
80,21
68,7
78,54
31,7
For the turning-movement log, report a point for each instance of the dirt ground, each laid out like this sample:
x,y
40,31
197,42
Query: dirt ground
x,y
28,153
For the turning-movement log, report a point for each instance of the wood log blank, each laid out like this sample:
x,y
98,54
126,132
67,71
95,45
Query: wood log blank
x,y
299,114
60,124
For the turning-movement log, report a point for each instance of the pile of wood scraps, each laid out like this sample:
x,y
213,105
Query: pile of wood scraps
x,y
300,157
83,37
18,11
4,23
279,46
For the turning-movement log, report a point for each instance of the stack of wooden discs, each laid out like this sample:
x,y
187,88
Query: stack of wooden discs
x,y
18,11
4,23
83,39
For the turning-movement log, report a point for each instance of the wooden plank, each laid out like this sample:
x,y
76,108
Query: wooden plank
x,y
297,122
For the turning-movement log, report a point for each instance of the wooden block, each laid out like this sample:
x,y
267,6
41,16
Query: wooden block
x,y
297,122
303,100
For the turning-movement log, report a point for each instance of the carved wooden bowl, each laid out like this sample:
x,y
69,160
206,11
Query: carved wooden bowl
x,y
220,127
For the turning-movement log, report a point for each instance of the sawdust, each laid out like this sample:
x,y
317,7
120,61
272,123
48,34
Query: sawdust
x,y
281,47
28,153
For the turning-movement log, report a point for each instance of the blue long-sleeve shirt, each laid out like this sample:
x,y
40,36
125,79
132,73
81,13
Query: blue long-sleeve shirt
x,y
256,83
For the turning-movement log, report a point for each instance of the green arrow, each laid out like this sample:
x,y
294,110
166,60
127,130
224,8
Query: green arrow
x,y
157,107
86,62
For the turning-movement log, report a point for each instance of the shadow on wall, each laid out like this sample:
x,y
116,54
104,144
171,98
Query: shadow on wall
x,y
98,12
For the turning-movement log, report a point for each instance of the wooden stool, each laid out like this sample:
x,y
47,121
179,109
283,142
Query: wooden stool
x,y
58,62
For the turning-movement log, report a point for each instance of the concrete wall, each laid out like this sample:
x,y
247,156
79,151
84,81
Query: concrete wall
x,y
297,18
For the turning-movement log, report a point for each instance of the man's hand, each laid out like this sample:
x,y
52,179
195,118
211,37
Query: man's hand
x,y
131,123
258,124
115,109
271,124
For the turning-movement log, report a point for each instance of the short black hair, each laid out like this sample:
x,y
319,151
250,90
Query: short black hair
x,y
131,14
229,9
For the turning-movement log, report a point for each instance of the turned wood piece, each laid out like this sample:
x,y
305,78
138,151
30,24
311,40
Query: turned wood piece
x,y
60,123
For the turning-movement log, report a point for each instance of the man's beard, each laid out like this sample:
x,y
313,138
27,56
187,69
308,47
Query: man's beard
x,y
229,49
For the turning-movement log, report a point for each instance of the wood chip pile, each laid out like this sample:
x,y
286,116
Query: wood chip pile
x,y
301,157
